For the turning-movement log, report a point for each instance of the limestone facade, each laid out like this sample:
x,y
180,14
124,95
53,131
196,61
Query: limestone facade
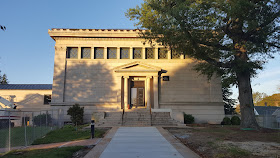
x,y
129,73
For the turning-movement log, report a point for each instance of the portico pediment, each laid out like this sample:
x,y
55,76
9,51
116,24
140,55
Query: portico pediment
x,y
137,66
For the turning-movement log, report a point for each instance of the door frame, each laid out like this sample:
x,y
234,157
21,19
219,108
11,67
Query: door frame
x,y
137,78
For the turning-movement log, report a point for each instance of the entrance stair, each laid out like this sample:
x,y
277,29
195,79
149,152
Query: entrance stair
x,y
111,119
162,119
137,117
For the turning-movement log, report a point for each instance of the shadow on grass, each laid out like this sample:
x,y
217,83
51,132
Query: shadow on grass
x,y
69,133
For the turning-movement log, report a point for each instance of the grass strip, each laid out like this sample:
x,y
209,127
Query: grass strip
x,y
64,152
68,133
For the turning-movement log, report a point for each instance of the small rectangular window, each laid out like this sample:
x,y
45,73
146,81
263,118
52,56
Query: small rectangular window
x,y
175,55
86,53
72,53
112,53
124,53
47,99
162,53
137,53
99,53
150,54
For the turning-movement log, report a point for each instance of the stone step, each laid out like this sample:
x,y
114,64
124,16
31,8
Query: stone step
x,y
137,117
137,110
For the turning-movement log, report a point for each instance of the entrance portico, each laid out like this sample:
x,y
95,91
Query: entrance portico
x,y
140,85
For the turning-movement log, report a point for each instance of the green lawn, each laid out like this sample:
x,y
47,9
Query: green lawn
x,y
18,137
69,133
64,152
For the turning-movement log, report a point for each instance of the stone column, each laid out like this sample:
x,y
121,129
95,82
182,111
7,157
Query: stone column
x,y
125,92
148,78
155,80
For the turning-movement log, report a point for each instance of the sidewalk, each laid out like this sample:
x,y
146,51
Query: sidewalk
x,y
137,142
86,142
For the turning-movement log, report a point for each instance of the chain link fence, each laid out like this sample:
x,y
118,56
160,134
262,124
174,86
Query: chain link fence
x,y
267,121
21,128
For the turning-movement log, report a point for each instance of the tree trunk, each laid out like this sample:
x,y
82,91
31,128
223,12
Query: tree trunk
x,y
248,119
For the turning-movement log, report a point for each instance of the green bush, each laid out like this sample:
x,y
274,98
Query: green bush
x,y
235,120
76,114
188,119
41,120
226,121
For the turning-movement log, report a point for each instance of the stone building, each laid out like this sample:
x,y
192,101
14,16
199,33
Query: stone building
x,y
28,97
30,100
113,70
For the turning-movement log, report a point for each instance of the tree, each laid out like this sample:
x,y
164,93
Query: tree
x,y
257,97
273,100
230,38
3,79
76,114
43,119
237,109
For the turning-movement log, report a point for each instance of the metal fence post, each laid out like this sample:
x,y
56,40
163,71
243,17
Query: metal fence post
x,y
40,124
265,103
9,145
47,119
33,126
24,121
52,119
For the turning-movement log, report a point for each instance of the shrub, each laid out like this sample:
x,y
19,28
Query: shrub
x,y
226,121
235,120
76,114
40,120
188,119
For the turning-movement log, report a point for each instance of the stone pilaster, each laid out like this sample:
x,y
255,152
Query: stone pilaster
x,y
156,52
143,53
131,53
118,52
155,88
59,74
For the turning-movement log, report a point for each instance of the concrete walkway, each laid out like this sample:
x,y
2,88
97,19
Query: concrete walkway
x,y
144,142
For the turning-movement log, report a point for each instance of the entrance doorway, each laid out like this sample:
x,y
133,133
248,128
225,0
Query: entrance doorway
x,y
137,94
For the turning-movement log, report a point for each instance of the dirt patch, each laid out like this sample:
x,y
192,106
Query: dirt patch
x,y
257,148
82,153
229,141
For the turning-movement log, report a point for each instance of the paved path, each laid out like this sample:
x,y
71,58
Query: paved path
x,y
143,142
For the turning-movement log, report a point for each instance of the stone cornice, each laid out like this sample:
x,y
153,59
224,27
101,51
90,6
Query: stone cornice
x,y
96,38
95,33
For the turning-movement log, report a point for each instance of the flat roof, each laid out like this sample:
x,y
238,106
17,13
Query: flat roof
x,y
26,86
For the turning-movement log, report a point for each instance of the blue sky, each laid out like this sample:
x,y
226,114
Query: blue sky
x,y
27,51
